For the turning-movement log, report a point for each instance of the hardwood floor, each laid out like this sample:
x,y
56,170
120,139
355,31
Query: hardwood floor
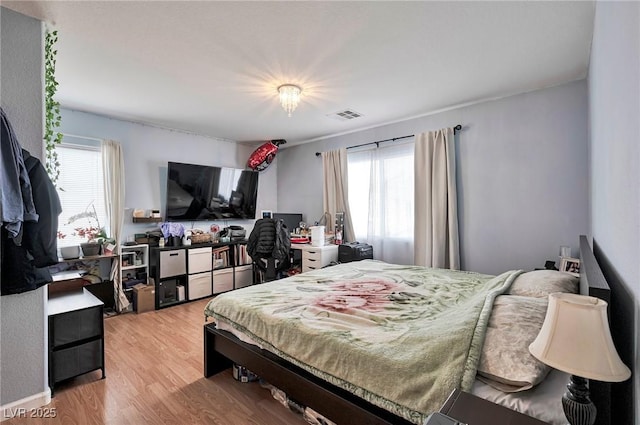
x,y
154,368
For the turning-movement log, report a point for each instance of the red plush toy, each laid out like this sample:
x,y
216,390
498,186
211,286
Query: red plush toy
x,y
263,156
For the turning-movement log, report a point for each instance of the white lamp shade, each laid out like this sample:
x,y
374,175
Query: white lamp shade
x,y
575,338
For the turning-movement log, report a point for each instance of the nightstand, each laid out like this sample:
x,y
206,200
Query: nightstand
x,y
76,335
473,410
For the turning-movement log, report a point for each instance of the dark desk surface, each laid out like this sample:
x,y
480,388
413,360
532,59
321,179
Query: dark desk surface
x,y
473,410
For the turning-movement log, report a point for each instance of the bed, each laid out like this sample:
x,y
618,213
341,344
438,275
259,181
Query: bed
x,y
354,387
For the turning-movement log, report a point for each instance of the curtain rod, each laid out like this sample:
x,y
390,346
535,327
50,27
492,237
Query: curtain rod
x,y
455,129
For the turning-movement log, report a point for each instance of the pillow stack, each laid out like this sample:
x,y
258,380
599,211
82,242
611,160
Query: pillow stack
x,y
516,319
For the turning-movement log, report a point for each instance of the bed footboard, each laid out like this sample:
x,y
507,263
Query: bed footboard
x,y
221,349
214,362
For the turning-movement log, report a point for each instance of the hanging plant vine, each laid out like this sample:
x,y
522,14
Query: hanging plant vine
x,y
52,138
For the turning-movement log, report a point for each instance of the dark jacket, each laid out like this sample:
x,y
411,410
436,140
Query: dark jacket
x,y
24,267
269,238
15,188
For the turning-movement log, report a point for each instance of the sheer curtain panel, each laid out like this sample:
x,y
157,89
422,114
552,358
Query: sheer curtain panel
x,y
436,207
113,166
335,189
381,200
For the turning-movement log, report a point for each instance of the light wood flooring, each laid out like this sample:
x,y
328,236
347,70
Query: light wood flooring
x,y
154,368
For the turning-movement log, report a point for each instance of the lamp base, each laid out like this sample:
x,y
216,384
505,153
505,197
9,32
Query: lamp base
x,y
577,406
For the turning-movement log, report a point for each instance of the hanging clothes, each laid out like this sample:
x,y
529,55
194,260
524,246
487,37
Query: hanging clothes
x,y
16,201
27,253
25,266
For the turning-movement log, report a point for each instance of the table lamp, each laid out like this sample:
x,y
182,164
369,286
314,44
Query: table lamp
x,y
575,338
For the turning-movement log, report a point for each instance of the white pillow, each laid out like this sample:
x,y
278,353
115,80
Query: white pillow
x,y
505,361
541,283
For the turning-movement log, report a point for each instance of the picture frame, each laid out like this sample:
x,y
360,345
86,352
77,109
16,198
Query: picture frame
x,y
266,214
570,265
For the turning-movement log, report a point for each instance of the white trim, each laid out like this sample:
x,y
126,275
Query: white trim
x,y
23,407
69,145
77,136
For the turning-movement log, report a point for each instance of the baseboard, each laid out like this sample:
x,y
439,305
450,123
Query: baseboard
x,y
27,407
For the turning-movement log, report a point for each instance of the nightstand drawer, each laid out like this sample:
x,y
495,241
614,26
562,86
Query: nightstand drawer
x,y
77,360
75,326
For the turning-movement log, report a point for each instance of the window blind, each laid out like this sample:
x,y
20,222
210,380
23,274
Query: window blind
x,y
81,190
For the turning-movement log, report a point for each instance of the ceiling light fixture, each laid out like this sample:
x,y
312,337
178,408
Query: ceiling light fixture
x,y
289,97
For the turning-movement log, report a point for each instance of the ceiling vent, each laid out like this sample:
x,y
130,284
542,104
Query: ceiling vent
x,y
346,115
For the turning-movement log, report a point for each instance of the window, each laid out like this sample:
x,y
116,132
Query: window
x,y
381,200
81,190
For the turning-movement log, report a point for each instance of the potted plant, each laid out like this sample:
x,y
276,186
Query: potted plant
x,y
68,252
92,231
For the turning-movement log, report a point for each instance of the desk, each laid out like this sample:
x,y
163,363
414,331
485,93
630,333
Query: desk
x,y
68,274
316,257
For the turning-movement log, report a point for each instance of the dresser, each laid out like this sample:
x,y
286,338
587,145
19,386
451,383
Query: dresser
x,y
76,335
316,257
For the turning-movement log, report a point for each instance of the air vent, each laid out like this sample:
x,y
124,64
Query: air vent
x,y
347,114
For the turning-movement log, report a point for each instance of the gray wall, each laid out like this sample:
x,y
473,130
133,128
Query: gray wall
x,y
22,317
614,90
147,150
522,175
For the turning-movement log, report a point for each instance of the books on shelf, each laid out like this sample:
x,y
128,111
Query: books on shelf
x,y
221,257
242,256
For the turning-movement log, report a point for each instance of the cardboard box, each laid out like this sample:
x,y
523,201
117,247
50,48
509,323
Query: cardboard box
x,y
144,298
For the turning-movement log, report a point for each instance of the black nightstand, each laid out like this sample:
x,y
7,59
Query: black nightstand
x,y
76,335
473,410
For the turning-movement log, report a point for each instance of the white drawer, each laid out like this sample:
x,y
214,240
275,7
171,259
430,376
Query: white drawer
x,y
222,280
318,257
199,260
311,263
172,263
312,254
244,276
307,268
199,285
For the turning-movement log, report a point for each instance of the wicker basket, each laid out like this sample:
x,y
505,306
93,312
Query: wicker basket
x,y
200,238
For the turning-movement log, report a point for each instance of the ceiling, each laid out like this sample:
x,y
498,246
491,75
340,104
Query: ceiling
x,y
212,68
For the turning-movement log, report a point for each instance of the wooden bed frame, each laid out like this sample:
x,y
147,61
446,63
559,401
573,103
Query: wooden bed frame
x,y
222,349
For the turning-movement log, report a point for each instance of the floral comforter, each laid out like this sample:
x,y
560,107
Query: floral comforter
x,y
401,337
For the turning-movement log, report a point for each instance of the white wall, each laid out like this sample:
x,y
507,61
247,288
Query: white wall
x,y
23,361
147,150
614,98
522,175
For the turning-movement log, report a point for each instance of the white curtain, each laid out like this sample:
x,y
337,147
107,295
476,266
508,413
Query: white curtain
x,y
436,207
381,200
335,190
113,168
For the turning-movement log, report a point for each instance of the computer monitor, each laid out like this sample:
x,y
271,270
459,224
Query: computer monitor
x,y
291,220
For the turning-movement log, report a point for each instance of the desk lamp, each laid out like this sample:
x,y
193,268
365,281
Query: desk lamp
x,y
575,338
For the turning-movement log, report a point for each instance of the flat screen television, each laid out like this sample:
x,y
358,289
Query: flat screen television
x,y
201,192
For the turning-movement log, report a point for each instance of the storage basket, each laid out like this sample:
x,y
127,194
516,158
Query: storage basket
x,y
200,238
